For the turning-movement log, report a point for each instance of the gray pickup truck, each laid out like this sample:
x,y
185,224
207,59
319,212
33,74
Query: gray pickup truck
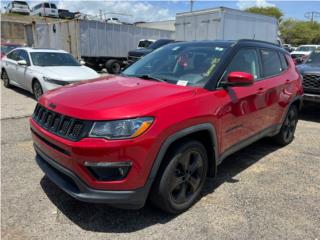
x,y
310,70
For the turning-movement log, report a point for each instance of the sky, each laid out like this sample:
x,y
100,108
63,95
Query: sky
x,y
132,11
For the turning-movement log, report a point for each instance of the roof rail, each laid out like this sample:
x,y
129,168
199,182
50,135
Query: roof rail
x,y
259,41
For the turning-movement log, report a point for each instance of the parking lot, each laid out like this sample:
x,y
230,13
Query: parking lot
x,y
261,192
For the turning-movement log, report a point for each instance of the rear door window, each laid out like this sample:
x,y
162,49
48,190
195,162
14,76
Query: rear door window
x,y
271,64
47,5
283,60
14,55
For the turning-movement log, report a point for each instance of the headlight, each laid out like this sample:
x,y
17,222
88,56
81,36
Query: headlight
x,y
121,129
55,81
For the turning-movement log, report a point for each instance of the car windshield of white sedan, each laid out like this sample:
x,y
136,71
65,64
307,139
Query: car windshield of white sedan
x,y
181,64
50,59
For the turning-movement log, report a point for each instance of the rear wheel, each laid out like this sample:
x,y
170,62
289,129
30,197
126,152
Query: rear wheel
x,y
37,90
5,78
113,66
286,134
181,178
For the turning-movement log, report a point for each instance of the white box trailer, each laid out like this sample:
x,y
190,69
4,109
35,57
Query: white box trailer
x,y
99,44
225,24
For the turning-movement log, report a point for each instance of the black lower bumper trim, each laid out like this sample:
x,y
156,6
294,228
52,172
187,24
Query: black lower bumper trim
x,y
74,186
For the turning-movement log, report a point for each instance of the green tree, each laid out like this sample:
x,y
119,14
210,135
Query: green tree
x,y
300,32
268,11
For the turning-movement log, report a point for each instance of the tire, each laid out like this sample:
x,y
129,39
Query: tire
x,y
113,66
37,89
5,78
181,177
286,134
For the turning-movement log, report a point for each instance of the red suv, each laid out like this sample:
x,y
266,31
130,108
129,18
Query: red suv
x,y
158,129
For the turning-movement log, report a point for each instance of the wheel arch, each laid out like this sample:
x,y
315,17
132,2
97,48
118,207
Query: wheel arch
x,y
204,133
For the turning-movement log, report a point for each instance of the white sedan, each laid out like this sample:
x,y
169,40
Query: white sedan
x,y
40,70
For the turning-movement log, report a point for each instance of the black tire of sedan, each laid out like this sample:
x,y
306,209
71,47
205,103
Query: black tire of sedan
x,y
5,78
113,66
181,177
286,134
37,90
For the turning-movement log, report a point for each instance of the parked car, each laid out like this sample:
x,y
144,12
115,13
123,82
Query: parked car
x,y
136,54
40,70
113,20
20,7
302,52
45,9
166,123
66,14
310,71
7,47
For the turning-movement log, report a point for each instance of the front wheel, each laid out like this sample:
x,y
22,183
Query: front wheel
x,y
181,178
37,90
286,134
5,78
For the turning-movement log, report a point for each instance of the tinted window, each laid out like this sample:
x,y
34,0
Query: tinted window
x,y
271,64
47,5
314,58
23,55
246,60
53,59
53,6
17,3
13,55
284,62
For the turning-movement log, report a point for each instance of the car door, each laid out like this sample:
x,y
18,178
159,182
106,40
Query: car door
x,y
241,114
272,85
10,65
22,77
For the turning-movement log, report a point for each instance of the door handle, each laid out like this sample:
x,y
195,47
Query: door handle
x,y
261,90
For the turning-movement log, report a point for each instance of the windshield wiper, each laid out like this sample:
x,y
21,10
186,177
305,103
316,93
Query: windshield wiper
x,y
151,77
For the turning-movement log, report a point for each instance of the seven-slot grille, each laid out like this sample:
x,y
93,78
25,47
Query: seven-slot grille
x,y
311,83
58,124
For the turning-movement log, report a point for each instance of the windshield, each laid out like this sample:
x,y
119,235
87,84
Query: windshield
x,y
8,48
53,59
184,64
314,58
306,48
159,43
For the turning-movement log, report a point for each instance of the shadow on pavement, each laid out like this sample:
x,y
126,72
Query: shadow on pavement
x,y
22,92
102,218
310,112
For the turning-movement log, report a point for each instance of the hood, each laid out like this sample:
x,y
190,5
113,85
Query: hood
x,y
140,52
309,68
115,97
67,73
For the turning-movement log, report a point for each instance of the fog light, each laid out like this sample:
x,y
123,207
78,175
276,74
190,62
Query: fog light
x,y
109,171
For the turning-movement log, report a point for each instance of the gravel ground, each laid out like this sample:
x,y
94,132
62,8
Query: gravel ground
x,y
261,192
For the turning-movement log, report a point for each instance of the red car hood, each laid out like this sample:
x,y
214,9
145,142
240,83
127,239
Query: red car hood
x,y
114,98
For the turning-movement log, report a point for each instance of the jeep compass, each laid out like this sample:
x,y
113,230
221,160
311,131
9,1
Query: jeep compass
x,y
161,127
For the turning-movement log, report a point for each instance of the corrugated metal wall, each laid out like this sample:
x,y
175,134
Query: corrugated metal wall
x,y
93,38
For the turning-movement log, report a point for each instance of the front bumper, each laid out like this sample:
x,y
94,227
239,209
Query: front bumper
x,y
308,97
74,186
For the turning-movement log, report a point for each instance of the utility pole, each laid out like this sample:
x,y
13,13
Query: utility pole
x,y
191,5
312,15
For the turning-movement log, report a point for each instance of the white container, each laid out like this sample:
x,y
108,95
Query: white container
x,y
225,24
